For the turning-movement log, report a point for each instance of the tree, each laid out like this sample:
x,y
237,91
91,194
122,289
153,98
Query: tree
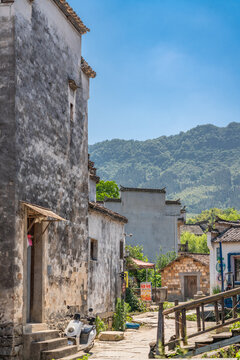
x,y
196,244
230,214
107,189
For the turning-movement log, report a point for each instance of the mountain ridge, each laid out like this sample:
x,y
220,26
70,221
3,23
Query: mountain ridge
x,y
201,165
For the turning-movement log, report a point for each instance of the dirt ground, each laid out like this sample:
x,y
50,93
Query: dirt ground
x,y
135,346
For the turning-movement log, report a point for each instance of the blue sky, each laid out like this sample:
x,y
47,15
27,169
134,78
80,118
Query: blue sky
x,y
163,66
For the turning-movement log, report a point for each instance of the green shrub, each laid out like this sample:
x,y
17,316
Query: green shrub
x,y
120,316
100,325
168,305
191,317
134,302
236,325
216,289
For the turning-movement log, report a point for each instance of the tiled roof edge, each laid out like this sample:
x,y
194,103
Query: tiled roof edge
x,y
72,16
99,208
122,188
86,68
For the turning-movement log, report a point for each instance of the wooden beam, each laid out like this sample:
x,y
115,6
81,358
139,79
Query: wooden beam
x,y
177,317
229,322
203,320
198,319
216,312
207,300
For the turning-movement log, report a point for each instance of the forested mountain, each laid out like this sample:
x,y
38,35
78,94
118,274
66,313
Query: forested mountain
x,y
200,166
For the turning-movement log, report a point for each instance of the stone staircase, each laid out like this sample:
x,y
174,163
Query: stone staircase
x,y
40,343
214,342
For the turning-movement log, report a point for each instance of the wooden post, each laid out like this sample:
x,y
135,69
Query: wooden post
x,y
198,319
234,301
184,327
203,322
177,332
223,312
160,331
216,312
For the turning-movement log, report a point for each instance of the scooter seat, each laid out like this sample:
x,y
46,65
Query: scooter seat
x,y
87,329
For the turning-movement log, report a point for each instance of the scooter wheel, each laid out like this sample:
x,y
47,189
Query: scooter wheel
x,y
88,348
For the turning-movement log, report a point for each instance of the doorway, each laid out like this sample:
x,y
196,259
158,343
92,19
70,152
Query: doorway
x,y
190,286
34,272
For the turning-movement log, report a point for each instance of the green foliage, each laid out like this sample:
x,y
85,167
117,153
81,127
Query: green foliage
x,y
168,305
200,166
230,214
136,252
232,352
191,317
196,244
216,289
120,316
107,189
133,301
85,357
140,274
100,325
236,325
164,259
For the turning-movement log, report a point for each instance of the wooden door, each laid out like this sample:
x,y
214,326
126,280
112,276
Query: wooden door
x,y
190,287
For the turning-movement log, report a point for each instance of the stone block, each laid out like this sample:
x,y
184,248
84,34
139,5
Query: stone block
x,y
111,336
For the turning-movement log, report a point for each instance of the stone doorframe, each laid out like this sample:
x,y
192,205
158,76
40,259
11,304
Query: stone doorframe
x,y
182,275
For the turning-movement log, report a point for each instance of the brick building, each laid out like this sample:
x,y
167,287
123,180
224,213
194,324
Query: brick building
x,y
186,275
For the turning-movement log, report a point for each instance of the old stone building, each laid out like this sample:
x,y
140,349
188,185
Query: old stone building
x,y
187,275
44,247
106,252
153,221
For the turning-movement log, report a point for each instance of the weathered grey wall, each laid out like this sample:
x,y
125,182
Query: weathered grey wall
x,y
104,280
152,222
44,159
8,270
52,162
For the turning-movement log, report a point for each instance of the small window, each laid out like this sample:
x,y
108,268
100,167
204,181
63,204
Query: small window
x,y
93,249
121,250
237,269
218,253
71,112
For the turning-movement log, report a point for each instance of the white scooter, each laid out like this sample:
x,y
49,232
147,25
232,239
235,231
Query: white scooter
x,y
81,334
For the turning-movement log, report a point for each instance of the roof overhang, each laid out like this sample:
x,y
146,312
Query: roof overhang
x,y
141,264
41,214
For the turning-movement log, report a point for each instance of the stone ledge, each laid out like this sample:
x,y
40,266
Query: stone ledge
x,y
111,336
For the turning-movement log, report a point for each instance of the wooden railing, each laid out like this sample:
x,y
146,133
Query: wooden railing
x,y
197,305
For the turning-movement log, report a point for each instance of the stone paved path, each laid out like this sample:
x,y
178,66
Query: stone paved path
x,y
135,346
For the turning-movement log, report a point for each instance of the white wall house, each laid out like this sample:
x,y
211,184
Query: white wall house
x,y
228,233
106,252
153,220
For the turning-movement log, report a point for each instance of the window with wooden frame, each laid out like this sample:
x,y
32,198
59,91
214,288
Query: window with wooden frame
x,y
93,249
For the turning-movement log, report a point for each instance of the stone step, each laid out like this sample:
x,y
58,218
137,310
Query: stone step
x,y
59,353
50,344
77,356
222,336
202,343
42,335
34,327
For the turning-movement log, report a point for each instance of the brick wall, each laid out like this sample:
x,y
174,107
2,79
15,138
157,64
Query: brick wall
x,y
171,276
